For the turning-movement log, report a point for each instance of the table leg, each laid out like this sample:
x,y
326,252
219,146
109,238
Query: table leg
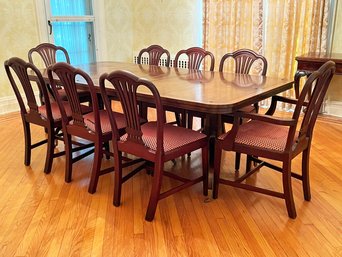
x,y
212,128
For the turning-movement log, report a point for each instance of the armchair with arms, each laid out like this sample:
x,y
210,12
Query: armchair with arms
x,y
277,139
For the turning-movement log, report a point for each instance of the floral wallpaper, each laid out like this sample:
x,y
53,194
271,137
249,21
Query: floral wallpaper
x,y
18,33
118,30
173,24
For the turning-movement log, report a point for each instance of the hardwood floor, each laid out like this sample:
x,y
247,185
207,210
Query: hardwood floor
x,y
40,215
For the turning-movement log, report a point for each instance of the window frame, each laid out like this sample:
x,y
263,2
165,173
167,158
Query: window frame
x,y
97,18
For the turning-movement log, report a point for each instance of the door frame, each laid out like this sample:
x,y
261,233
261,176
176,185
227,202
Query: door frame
x,y
99,27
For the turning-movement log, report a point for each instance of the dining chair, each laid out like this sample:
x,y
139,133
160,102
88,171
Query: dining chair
x,y
274,138
48,53
195,57
46,115
93,126
155,53
155,141
244,60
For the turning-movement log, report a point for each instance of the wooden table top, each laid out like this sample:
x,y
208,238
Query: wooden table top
x,y
204,91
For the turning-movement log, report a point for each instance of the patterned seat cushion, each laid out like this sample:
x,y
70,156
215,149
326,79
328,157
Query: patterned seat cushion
x,y
89,120
174,136
56,114
262,135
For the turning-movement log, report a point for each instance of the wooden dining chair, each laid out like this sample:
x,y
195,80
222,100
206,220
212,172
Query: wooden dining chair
x,y
93,126
244,60
48,53
156,142
46,115
155,52
195,57
273,138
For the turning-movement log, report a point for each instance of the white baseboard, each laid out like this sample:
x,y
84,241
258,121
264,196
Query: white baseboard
x,y
333,108
8,104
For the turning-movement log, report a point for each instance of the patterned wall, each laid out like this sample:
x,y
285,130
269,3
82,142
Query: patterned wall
x,y
119,29
136,24
173,24
18,33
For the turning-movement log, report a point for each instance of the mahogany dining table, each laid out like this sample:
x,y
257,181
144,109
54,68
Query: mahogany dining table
x,y
211,93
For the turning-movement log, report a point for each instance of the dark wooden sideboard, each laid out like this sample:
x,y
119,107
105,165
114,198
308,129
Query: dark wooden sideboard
x,y
312,61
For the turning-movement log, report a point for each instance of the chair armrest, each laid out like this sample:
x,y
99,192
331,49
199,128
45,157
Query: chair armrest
x,y
283,99
267,118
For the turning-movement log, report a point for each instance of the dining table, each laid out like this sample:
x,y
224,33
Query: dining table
x,y
211,93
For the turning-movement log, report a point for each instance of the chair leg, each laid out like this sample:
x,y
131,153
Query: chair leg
x,y
202,123
117,178
183,119
178,119
305,174
217,170
68,157
248,163
237,161
49,150
190,119
287,186
155,192
98,154
223,127
106,146
27,135
205,166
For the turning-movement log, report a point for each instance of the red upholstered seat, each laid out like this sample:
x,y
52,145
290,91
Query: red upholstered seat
x,y
89,120
174,137
56,113
262,135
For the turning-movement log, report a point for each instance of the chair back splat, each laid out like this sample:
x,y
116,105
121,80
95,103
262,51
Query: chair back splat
x,y
48,53
244,60
196,56
316,87
155,52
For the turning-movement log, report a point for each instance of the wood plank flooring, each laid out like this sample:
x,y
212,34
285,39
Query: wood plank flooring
x,y
41,215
